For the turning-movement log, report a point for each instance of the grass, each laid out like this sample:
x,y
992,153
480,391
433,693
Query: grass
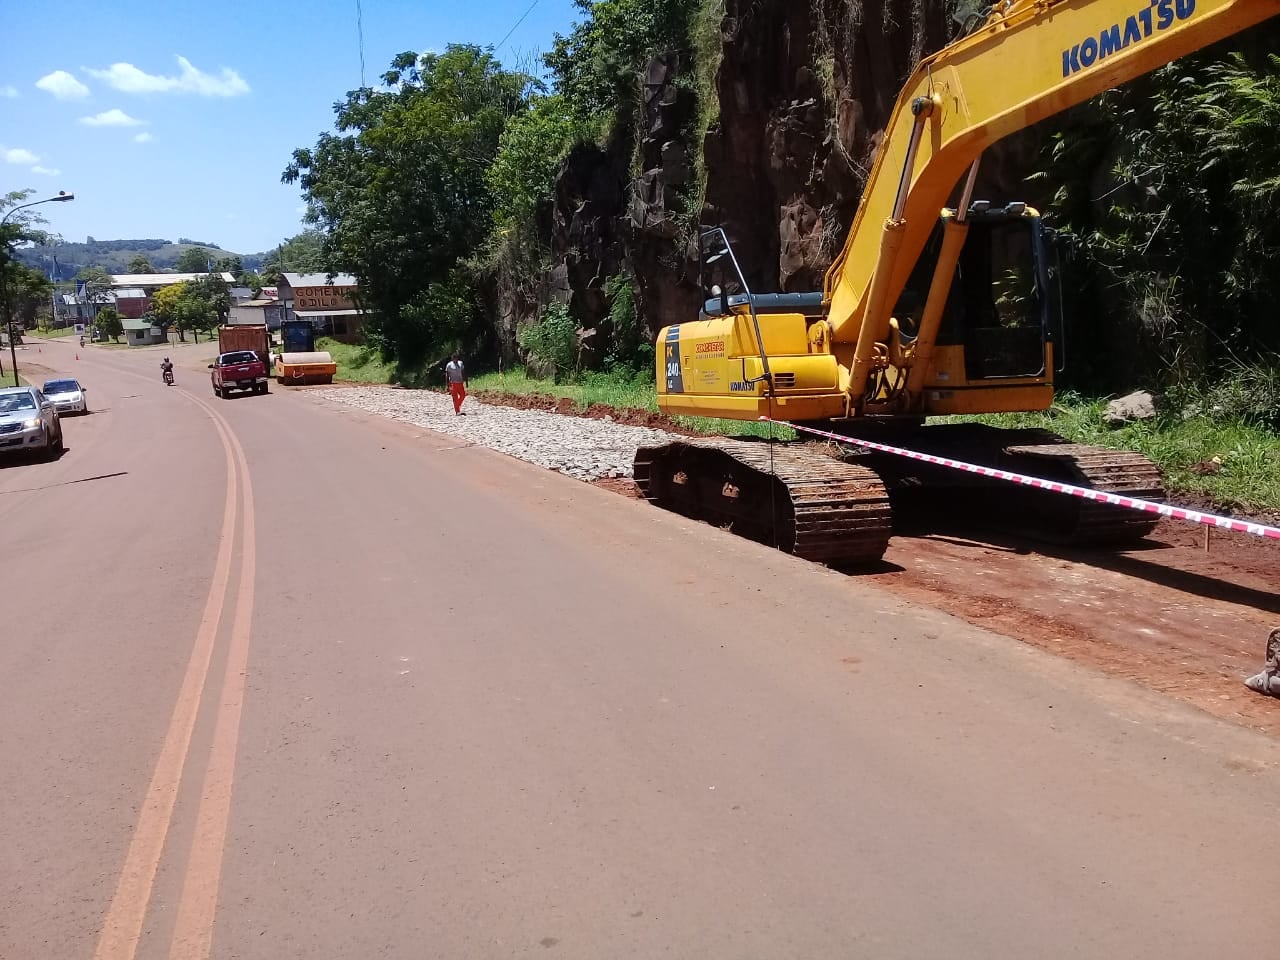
x,y
358,364
57,333
614,390
1248,477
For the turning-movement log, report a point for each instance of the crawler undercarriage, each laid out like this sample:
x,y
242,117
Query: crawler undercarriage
x,y
839,505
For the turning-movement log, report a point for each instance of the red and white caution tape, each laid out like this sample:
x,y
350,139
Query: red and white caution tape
x,y
1131,503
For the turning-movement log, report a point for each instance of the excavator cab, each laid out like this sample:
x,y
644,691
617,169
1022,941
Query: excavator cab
x,y
1002,317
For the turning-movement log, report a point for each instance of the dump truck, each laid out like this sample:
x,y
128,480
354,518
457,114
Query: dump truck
x,y
245,336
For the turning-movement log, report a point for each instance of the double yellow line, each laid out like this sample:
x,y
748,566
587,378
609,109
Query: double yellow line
x,y
193,928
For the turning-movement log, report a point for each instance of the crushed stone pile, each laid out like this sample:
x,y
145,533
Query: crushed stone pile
x,y
586,449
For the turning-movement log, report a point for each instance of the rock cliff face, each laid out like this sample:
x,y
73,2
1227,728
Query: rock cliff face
x,y
803,90
801,95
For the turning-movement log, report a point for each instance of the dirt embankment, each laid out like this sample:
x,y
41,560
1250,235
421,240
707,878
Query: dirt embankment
x,y
595,411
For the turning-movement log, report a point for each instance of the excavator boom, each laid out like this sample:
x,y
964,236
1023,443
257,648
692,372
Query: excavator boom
x,y
1030,60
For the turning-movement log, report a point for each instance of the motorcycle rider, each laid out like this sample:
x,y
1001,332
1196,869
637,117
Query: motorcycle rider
x,y
166,369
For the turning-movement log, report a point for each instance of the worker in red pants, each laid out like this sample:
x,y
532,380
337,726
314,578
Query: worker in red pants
x,y
457,377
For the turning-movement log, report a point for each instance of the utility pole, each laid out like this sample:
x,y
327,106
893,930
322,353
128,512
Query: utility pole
x,y
4,269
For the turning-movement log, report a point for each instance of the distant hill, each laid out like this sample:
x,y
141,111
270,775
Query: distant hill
x,y
114,255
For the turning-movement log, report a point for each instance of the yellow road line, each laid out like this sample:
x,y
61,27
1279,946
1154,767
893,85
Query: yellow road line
x,y
197,904
122,926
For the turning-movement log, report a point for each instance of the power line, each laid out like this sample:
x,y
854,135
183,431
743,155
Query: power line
x,y
517,24
360,33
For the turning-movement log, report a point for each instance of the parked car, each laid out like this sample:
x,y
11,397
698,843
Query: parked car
x,y
238,370
67,395
29,421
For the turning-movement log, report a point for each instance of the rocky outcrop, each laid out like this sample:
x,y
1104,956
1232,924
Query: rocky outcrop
x,y
803,92
660,222
587,237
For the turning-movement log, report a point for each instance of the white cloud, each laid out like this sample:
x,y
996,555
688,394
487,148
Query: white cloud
x,y
111,118
18,155
48,172
63,85
8,91
143,137
190,79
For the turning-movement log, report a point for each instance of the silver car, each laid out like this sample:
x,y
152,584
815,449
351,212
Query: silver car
x,y
29,421
67,395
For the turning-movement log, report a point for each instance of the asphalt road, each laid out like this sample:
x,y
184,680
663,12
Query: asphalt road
x,y
278,680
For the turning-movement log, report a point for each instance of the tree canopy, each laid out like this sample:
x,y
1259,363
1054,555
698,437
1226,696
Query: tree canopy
x,y
194,260
401,194
193,305
303,253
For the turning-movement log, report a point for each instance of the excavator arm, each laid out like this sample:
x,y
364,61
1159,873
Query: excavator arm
x,y
1029,60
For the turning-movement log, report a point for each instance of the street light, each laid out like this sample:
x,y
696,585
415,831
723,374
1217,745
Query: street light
x,y
4,287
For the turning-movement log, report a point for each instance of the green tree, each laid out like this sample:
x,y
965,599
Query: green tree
x,y
400,190
252,280
595,66
193,260
523,174
551,342
233,265
108,323
179,307
1168,192
164,305
303,253
139,263
213,291
192,306
25,289
195,314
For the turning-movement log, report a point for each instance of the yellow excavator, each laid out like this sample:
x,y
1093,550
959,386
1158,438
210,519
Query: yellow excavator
x,y
938,305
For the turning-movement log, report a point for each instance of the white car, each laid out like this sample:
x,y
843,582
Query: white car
x,y
67,395
29,421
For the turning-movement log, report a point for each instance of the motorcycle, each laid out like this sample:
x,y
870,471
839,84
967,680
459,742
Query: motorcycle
x,y
168,378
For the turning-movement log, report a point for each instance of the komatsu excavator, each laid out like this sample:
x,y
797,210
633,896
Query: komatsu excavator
x,y
929,310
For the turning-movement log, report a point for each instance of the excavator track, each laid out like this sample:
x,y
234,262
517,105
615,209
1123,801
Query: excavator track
x,y
1084,522
806,503
841,509
933,497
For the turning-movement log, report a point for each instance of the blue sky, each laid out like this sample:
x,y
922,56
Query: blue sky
x,y
176,119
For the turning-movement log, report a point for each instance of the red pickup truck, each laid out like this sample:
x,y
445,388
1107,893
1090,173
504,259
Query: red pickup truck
x,y
238,370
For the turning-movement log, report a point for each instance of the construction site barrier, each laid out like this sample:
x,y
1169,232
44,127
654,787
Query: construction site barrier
x,y
1054,486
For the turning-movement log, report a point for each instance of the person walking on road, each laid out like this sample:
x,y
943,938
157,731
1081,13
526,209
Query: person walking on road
x,y
457,377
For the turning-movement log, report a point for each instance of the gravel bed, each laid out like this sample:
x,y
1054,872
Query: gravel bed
x,y
580,447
